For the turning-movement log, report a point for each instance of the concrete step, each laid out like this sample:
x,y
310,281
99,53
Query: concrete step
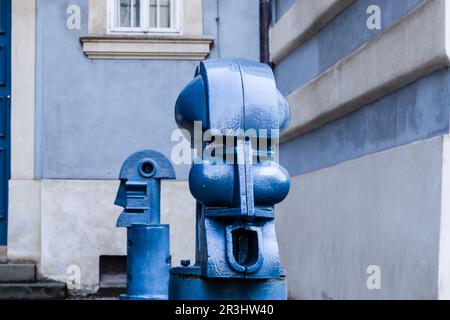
x,y
33,291
17,273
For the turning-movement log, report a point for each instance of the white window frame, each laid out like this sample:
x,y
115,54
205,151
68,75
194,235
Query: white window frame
x,y
175,19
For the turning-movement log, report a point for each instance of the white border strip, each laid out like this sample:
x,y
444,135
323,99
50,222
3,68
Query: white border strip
x,y
444,236
414,47
23,46
301,22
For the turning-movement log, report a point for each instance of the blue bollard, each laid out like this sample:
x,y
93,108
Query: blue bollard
x,y
237,254
148,248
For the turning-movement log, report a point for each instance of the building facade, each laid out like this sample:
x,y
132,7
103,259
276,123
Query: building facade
x,y
368,147
92,82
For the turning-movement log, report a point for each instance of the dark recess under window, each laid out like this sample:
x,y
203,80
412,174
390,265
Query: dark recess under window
x,y
113,275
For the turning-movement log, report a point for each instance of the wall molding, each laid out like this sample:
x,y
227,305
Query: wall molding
x,y
190,44
300,23
146,47
390,61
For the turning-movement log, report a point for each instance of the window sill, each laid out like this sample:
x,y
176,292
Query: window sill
x,y
151,47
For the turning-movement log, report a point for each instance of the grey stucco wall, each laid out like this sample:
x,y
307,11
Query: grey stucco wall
x,y
92,114
281,6
236,30
366,187
381,210
417,111
345,33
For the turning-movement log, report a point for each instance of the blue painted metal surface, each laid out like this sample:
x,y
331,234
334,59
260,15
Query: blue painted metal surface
x,y
237,252
193,286
148,262
148,257
5,113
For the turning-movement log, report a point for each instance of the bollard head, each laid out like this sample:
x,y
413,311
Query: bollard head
x,y
138,192
231,95
147,164
237,99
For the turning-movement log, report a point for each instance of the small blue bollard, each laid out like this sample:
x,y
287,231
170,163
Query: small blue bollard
x,y
237,253
148,248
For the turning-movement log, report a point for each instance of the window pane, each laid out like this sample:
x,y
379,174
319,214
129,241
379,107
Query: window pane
x,y
153,13
129,13
125,13
137,13
164,13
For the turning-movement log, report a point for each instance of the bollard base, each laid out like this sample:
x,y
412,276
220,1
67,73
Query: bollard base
x,y
148,262
186,283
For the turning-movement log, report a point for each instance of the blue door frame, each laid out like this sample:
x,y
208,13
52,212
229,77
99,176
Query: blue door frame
x,y
5,113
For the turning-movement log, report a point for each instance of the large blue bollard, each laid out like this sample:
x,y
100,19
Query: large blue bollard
x,y
148,249
237,254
